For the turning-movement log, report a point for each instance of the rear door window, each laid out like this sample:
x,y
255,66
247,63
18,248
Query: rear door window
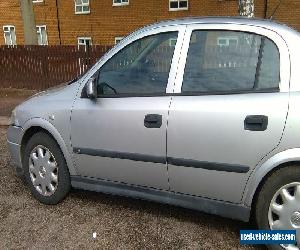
x,y
231,61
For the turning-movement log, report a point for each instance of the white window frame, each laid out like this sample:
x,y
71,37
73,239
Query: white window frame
x,y
178,9
171,42
84,38
118,39
9,27
82,12
227,38
39,32
37,1
121,4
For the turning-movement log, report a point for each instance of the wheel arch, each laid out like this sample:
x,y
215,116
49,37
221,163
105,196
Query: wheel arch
x,y
262,172
36,125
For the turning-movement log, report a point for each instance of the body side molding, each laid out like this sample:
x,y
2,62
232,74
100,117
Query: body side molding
x,y
161,159
208,165
120,155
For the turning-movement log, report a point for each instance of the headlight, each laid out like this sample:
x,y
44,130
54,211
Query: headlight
x,y
13,118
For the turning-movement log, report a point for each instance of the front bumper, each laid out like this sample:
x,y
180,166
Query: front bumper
x,y
14,138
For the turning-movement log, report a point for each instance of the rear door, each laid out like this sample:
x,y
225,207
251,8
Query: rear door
x,y
229,110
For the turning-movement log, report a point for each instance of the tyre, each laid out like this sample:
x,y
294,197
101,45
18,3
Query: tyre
x,y
278,204
45,169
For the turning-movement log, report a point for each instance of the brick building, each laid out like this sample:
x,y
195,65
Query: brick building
x,y
105,21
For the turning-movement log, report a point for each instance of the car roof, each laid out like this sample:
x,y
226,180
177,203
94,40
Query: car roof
x,y
265,23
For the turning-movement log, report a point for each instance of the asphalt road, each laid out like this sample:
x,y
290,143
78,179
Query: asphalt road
x,y
119,223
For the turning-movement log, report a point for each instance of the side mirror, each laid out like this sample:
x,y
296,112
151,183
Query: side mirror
x,y
91,88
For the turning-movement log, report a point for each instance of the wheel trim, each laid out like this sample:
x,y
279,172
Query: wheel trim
x,y
284,211
43,170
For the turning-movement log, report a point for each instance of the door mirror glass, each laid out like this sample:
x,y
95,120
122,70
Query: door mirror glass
x,y
91,88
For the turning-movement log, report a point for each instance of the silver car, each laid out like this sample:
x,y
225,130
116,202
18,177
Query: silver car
x,y
202,113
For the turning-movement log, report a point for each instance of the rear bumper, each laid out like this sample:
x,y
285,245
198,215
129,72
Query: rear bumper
x,y
14,138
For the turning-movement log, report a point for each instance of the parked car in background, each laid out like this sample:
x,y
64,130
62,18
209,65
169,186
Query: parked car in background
x,y
201,113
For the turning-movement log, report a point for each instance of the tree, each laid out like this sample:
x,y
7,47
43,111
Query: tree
x,y
30,35
246,8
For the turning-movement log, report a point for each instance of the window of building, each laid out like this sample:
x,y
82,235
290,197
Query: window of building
x,y
120,2
252,63
84,41
118,39
172,42
82,6
141,68
10,35
42,34
175,5
227,41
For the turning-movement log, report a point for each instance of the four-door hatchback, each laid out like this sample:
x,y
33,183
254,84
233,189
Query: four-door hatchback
x,y
202,113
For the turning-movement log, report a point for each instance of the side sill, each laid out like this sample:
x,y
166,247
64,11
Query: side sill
x,y
224,209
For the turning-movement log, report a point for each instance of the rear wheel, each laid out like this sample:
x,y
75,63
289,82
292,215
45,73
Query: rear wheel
x,y
45,169
278,204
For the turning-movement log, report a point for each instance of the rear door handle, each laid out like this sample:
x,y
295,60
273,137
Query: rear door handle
x,y
153,121
256,122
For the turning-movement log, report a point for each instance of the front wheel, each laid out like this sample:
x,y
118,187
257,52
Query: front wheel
x,y
45,169
278,204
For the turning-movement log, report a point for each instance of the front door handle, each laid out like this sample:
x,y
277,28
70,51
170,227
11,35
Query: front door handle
x,y
153,121
256,122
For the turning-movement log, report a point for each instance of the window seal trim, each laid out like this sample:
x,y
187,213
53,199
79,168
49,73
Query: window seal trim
x,y
237,92
262,91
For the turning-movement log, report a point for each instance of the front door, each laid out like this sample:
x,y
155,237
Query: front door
x,y
121,136
229,114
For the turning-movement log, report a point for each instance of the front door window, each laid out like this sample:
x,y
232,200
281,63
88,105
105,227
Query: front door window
x,y
141,68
